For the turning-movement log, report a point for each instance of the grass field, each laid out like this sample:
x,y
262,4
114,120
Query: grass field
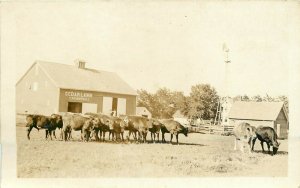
x,y
196,155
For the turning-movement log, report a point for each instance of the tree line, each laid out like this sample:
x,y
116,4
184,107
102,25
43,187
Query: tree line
x,y
202,101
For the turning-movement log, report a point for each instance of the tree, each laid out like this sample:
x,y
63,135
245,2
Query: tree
x,y
163,103
257,98
203,102
245,98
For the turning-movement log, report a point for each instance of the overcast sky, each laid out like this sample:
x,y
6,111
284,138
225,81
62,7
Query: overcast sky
x,y
173,44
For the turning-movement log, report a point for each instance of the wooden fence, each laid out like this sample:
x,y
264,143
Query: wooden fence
x,y
209,128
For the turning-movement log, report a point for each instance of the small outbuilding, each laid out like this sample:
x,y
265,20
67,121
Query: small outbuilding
x,y
272,114
181,118
143,111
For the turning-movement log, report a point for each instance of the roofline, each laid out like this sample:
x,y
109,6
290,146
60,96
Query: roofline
x,y
285,112
251,119
97,91
35,62
43,69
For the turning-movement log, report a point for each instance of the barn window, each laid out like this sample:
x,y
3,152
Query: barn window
x,y
34,86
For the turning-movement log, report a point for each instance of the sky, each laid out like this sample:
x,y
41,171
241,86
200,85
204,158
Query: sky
x,y
154,44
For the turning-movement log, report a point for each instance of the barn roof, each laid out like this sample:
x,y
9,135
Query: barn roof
x,y
72,77
256,110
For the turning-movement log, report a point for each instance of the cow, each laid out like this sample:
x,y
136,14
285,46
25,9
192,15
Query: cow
x,y
78,122
104,125
173,127
138,124
58,123
119,126
244,133
49,123
155,129
268,135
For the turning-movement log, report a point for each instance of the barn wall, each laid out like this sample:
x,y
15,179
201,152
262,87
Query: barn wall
x,y
43,100
281,119
94,97
255,123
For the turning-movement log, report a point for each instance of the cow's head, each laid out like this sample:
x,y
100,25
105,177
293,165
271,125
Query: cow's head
x,y
87,128
185,131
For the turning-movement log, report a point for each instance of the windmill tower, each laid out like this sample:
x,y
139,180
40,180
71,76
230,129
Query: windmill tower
x,y
224,105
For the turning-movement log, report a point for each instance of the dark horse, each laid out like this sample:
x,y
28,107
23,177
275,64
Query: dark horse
x,y
49,123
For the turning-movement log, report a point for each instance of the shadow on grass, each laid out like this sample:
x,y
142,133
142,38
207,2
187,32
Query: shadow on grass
x,y
269,153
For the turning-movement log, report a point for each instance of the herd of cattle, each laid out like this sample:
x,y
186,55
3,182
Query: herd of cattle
x,y
96,125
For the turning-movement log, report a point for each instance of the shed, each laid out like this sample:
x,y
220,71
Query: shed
x,y
272,114
143,111
181,118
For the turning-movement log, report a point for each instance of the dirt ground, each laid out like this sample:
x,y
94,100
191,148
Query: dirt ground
x,y
196,155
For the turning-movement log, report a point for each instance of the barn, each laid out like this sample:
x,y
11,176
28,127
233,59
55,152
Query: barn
x,y
272,114
52,87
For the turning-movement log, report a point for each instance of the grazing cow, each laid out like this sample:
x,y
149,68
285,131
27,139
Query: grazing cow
x,y
244,133
173,127
105,125
156,126
140,125
78,122
268,135
43,122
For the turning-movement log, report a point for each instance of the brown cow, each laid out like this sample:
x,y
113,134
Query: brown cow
x,y
244,133
49,123
105,125
155,129
78,122
268,135
140,125
173,127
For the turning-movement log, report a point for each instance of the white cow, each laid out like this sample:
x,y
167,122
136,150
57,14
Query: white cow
x,y
244,134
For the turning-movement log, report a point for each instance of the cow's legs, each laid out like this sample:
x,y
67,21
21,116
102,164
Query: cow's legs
x,y
269,146
46,133
177,138
103,135
163,137
157,137
28,131
122,136
153,139
54,134
262,146
171,138
96,131
253,143
50,133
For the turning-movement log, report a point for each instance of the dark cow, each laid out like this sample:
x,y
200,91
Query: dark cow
x,y
268,135
104,125
49,123
155,129
140,125
119,125
78,122
173,127
244,134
